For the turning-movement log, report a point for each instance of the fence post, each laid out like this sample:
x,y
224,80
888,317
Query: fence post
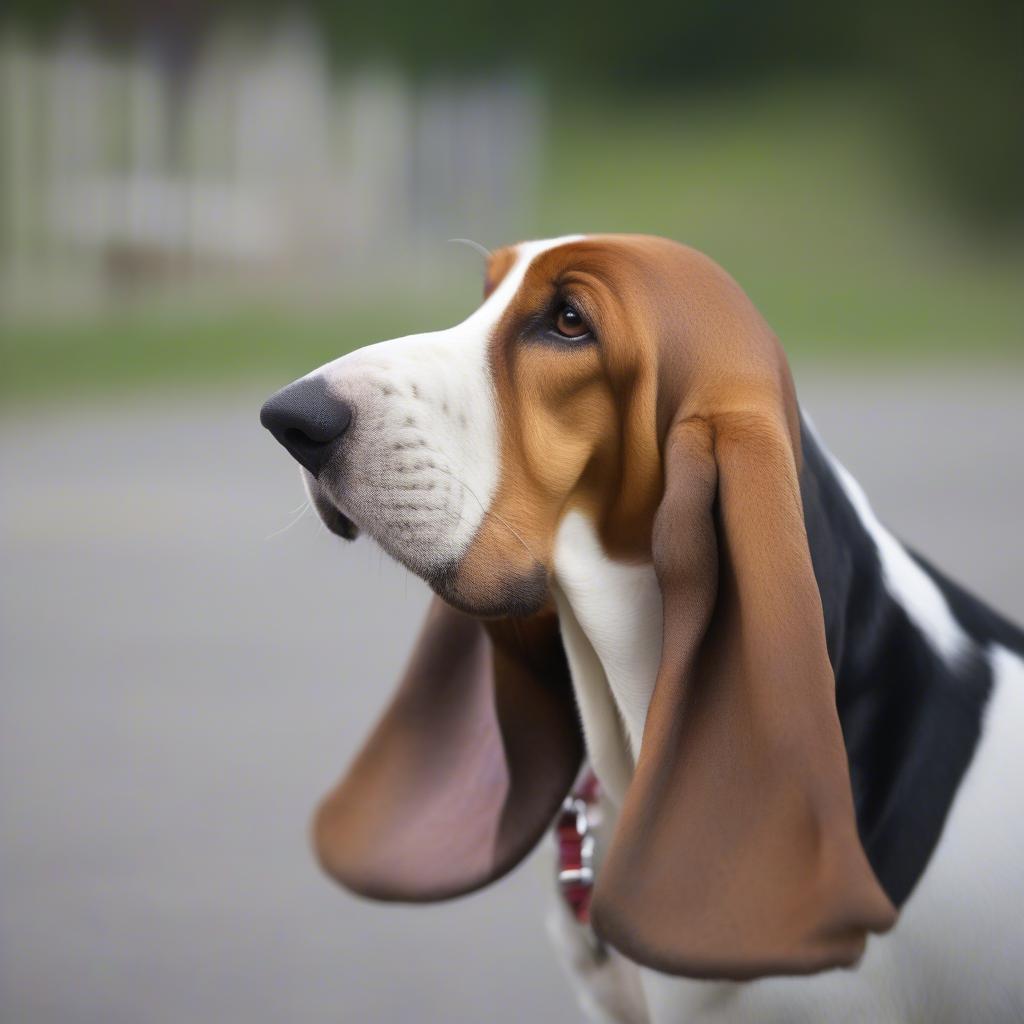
x,y
20,159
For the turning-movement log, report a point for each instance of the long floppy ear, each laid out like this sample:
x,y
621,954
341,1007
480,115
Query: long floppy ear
x,y
736,853
466,768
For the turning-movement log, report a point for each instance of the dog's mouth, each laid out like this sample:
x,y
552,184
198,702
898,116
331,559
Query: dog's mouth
x,y
337,522
483,591
516,595
330,515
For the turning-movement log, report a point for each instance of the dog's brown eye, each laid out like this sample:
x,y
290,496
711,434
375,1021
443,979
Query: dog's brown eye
x,y
570,324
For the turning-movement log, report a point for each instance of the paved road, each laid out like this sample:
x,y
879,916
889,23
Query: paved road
x,y
179,683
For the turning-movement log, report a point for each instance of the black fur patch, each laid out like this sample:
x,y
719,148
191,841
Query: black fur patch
x,y
911,721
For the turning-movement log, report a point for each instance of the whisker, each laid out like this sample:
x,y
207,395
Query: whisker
x,y
302,510
476,246
490,512
358,480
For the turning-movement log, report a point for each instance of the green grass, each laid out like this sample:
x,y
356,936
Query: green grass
x,y
812,204
199,349
807,199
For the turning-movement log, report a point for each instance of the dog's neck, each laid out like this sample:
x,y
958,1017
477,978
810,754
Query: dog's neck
x,y
610,615
910,651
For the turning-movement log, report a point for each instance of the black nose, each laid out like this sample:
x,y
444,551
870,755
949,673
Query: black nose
x,y
308,420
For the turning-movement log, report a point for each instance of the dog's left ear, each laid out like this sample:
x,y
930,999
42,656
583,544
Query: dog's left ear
x,y
736,853
466,768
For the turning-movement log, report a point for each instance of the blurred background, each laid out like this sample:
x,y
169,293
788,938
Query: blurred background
x,y
201,202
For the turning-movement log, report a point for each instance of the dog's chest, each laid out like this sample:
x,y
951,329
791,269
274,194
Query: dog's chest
x,y
610,614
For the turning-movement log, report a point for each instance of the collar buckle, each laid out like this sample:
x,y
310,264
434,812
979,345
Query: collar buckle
x,y
574,833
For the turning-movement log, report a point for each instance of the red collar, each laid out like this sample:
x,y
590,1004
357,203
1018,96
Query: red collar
x,y
574,830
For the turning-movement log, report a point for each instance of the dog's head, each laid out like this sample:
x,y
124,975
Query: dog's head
x,y
458,451
631,379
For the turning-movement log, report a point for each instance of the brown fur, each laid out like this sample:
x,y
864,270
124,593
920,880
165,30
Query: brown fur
x,y
584,426
578,422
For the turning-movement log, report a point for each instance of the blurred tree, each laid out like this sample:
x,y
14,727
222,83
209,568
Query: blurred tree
x,y
956,72
953,68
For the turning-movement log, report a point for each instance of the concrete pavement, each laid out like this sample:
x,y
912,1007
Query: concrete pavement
x,y
181,679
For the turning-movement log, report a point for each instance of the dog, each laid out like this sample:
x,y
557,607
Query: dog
x,y
808,740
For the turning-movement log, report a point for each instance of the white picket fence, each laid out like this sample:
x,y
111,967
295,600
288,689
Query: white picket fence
x,y
262,165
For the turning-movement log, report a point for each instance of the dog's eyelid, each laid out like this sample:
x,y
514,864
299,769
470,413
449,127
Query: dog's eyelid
x,y
581,307
571,291
539,326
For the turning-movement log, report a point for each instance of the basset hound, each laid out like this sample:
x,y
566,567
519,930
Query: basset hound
x,y
809,741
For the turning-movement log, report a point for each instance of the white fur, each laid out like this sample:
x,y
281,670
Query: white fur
x,y
910,586
610,614
607,985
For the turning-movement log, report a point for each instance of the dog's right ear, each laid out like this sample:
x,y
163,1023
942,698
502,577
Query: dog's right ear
x,y
466,768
